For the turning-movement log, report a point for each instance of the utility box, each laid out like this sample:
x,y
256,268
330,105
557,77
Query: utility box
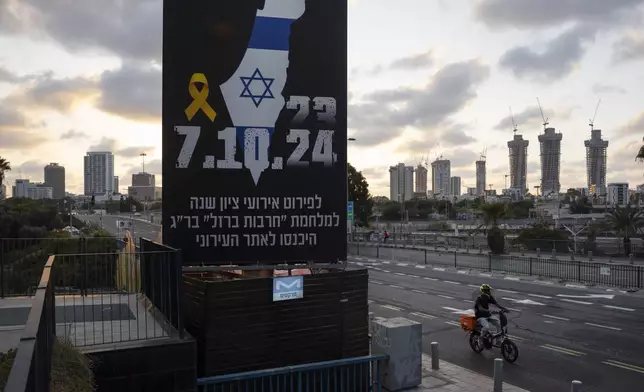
x,y
401,339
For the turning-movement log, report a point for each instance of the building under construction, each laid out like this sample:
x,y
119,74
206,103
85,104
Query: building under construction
x,y
596,162
421,179
518,163
550,147
480,178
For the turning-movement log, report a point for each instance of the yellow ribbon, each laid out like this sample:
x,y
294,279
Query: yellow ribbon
x,y
199,98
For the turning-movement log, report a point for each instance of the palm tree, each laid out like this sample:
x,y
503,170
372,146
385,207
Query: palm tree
x,y
640,153
492,213
625,222
5,166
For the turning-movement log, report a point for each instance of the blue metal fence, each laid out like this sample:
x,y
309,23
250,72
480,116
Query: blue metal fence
x,y
360,374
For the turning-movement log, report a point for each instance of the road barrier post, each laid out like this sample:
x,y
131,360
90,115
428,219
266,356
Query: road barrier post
x,y
455,263
631,259
435,356
538,252
378,250
489,261
554,253
498,375
590,255
425,256
572,255
575,386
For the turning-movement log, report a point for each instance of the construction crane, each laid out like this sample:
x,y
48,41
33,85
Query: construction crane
x,y
592,121
483,154
514,124
545,120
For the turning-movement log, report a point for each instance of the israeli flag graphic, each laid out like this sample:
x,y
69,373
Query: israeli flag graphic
x,y
253,93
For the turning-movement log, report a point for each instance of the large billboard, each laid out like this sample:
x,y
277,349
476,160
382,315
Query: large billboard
x,y
255,130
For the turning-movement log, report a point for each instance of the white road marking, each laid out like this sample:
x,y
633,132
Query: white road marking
x,y
386,262
375,282
473,285
400,274
623,365
385,271
507,291
576,302
463,272
488,275
390,307
545,282
423,315
576,286
518,339
361,264
603,326
438,269
419,266
555,317
539,296
445,296
619,308
548,321
402,264
419,291
428,278
511,278
515,310
451,282
588,296
563,350
414,276
454,323
370,313
396,287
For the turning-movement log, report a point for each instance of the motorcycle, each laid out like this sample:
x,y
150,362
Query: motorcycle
x,y
478,343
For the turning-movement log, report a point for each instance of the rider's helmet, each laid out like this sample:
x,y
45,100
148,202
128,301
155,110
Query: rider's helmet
x,y
486,289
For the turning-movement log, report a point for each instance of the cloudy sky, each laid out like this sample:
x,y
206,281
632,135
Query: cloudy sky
x,y
427,78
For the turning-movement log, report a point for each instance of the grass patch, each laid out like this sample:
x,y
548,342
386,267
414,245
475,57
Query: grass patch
x,y
71,370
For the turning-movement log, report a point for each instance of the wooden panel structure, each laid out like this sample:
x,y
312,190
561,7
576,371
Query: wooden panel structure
x,y
239,328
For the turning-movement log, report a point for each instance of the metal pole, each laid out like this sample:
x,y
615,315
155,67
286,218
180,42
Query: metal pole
x,y
498,375
575,386
435,357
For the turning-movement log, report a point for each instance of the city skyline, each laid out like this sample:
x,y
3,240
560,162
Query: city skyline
x,y
436,91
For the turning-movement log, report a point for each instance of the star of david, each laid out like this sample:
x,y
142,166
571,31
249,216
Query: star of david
x,y
257,76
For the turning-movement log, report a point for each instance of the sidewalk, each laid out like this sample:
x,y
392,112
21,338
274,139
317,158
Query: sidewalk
x,y
452,378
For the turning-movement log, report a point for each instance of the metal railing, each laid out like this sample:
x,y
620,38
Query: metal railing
x,y
344,375
602,247
118,296
22,259
593,273
31,370
161,280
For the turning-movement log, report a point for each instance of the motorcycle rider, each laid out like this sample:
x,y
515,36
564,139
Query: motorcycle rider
x,y
482,311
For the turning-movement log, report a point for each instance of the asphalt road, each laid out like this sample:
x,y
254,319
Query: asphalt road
x,y
612,274
563,334
140,227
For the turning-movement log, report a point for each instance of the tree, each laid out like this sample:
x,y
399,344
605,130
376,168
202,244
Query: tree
x,y
492,213
581,205
5,166
359,194
640,154
625,222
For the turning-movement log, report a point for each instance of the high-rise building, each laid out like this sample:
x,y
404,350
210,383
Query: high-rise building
x,y
99,173
480,178
143,179
441,174
115,189
421,179
596,162
617,193
55,178
3,192
401,182
455,186
550,147
518,163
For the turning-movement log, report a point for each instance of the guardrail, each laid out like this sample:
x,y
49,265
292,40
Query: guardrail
x,y
22,259
102,292
593,273
31,370
602,246
342,375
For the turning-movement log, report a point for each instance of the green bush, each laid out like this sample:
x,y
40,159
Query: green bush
x,y
544,238
71,371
